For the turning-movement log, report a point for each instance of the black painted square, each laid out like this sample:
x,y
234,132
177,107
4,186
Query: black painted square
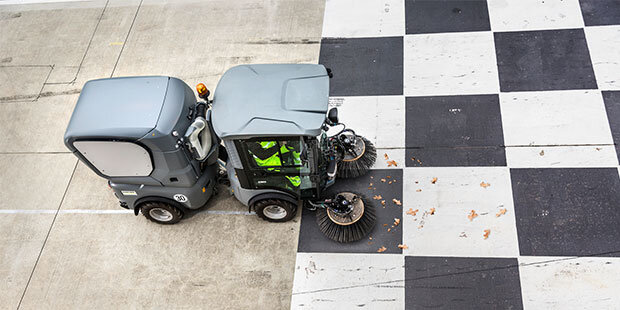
x,y
462,283
612,105
364,66
544,60
454,131
567,211
600,12
424,16
312,240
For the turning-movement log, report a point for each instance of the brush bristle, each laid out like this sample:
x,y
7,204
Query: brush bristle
x,y
359,167
347,233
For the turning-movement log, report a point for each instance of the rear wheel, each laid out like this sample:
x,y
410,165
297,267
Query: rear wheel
x,y
161,213
275,210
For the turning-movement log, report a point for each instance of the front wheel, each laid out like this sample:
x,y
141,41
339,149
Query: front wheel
x,y
161,213
275,210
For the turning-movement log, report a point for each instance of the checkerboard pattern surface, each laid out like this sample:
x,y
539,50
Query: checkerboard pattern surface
x,y
504,120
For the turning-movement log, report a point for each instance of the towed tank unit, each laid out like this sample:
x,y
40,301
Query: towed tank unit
x,y
264,134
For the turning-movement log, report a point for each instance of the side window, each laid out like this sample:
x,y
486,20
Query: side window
x,y
270,153
116,158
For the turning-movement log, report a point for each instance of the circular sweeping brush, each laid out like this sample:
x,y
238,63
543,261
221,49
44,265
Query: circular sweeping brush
x,y
357,159
350,226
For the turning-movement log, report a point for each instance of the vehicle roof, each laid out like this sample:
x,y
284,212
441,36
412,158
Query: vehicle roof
x,y
127,107
271,100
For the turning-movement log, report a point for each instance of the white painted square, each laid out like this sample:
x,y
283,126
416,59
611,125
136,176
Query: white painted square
x,y
381,119
570,117
457,191
510,15
369,18
562,156
396,155
450,64
347,281
604,46
570,283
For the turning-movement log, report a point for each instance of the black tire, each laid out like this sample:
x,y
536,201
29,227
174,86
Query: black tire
x,y
161,212
275,210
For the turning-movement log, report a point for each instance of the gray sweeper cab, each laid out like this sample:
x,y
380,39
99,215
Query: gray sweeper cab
x,y
263,134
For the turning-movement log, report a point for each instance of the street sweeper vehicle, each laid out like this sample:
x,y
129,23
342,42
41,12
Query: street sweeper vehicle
x,y
264,134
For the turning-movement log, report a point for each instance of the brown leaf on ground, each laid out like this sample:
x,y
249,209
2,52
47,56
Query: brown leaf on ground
x,y
485,185
434,180
377,197
403,246
432,211
382,249
389,177
542,153
472,215
390,182
389,229
392,163
396,221
500,213
383,202
412,212
397,202
487,232
418,190
384,225
385,155
383,180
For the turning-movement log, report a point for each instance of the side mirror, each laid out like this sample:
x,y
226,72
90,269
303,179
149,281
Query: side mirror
x,y
332,116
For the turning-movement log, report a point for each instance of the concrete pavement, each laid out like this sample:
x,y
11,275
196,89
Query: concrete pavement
x,y
60,244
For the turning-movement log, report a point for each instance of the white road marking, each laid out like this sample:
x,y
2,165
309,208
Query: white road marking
x,y
13,2
82,211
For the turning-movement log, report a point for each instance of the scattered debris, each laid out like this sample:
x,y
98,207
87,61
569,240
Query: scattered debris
x,y
370,237
389,229
412,212
383,180
500,213
390,182
403,246
432,211
472,215
397,202
382,249
385,155
542,153
598,149
377,197
384,225
434,180
485,185
418,190
389,177
463,235
396,221
487,232
392,163
416,182
383,202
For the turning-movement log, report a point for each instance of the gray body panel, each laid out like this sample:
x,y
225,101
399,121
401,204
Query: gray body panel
x,y
271,100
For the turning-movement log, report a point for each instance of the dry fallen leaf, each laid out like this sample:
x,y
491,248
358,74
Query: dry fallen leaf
x,y
377,197
389,177
390,182
386,156
370,237
412,212
434,180
384,225
389,229
392,163
472,215
403,246
397,202
396,221
383,180
487,232
432,211
381,249
542,153
485,185
463,235
500,213
418,190
383,202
